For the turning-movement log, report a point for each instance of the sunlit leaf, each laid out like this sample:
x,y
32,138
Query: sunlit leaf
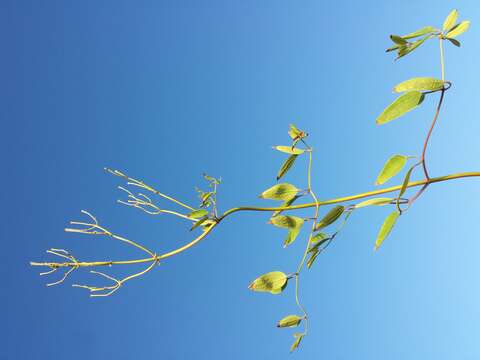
x,y
289,150
403,104
391,168
458,29
398,40
199,222
273,282
296,133
318,239
454,42
286,166
289,321
407,49
423,31
298,338
406,180
420,83
376,201
282,191
197,214
293,223
330,217
386,228
450,20
313,256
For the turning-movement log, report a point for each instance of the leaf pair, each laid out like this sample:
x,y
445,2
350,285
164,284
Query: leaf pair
x,y
292,223
451,29
296,135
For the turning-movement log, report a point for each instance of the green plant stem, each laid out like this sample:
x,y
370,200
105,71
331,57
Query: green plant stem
x,y
252,208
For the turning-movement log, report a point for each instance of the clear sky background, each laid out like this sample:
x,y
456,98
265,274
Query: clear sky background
x,y
167,90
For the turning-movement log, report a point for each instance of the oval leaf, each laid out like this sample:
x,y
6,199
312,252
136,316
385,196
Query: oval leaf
x,y
197,214
454,42
298,337
199,222
391,168
450,20
289,321
330,217
286,166
273,282
420,83
282,191
386,228
458,29
398,40
289,150
286,221
400,106
376,201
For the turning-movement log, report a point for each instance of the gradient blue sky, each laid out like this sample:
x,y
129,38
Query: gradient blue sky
x,y
166,90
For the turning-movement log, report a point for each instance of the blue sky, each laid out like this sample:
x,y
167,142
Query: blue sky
x,y
167,90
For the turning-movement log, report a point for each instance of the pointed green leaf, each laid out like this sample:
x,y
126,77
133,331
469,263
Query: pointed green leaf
x,y
406,180
330,217
423,31
318,240
391,168
420,83
286,221
293,223
286,166
313,256
289,150
386,228
450,20
398,40
403,104
199,222
407,49
298,337
289,321
282,191
197,214
296,133
458,29
454,42
376,201
273,282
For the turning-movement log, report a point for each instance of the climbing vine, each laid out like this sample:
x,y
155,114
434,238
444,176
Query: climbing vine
x,y
323,228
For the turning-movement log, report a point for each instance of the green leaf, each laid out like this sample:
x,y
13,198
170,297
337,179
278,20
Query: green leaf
x,y
420,83
454,42
197,214
386,228
330,217
458,29
286,166
199,222
450,20
298,337
313,256
407,49
403,104
282,191
296,133
398,40
293,223
289,150
273,282
406,180
318,240
391,168
289,321
423,31
376,201
286,221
